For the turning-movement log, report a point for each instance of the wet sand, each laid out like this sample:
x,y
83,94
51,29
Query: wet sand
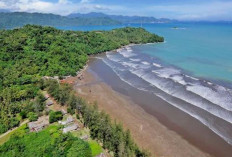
x,y
155,125
147,131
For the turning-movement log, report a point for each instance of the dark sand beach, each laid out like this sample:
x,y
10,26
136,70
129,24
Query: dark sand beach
x,y
155,125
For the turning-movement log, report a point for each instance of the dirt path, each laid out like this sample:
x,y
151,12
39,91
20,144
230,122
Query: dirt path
x,y
6,133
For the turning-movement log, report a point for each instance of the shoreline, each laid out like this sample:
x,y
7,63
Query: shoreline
x,y
146,129
184,137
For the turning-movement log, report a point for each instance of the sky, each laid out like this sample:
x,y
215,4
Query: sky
x,y
210,10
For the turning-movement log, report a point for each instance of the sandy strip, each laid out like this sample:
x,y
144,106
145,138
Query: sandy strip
x,y
147,131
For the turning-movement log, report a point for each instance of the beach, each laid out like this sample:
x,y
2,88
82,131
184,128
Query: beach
x,y
155,125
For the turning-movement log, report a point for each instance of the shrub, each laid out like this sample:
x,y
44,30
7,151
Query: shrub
x,y
55,116
32,116
23,114
79,149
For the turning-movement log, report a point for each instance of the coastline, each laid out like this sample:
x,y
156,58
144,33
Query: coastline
x,y
146,129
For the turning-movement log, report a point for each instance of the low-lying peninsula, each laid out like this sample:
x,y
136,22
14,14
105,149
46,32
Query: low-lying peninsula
x,y
28,54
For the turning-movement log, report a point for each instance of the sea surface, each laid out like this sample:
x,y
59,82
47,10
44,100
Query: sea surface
x,y
191,70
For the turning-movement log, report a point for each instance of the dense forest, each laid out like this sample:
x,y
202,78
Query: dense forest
x,y
10,20
31,52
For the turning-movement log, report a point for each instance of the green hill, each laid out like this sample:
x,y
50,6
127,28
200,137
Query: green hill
x,y
10,20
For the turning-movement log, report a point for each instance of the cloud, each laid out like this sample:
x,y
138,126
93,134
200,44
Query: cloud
x,y
86,1
61,7
63,2
202,11
199,10
2,5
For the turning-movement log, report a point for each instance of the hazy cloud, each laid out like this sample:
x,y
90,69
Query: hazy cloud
x,y
61,7
202,11
86,1
199,10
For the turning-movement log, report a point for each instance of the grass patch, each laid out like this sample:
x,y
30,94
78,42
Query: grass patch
x,y
81,132
95,148
22,130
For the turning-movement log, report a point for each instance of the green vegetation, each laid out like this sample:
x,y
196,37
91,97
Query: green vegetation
x,y
48,142
19,131
95,148
32,116
31,52
79,149
19,19
111,135
55,116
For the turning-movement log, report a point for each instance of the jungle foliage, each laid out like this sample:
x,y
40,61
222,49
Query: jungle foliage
x,y
31,52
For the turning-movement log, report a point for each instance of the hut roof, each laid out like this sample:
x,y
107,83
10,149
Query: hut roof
x,y
49,102
70,128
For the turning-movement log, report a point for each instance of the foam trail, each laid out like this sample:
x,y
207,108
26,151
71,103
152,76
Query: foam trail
x,y
135,60
193,78
157,65
223,99
145,63
179,92
210,124
191,96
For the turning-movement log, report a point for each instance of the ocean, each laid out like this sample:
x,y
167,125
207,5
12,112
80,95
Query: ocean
x,y
191,70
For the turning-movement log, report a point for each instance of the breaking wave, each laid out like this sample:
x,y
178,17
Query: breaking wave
x,y
189,94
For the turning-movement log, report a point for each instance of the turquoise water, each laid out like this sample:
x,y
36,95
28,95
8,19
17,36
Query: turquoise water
x,y
202,49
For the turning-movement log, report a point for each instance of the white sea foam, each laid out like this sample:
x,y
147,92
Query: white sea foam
x,y
135,60
217,101
157,65
170,74
145,63
179,79
219,130
112,57
128,64
175,76
128,49
193,78
127,54
167,88
219,95
166,72
216,128
197,101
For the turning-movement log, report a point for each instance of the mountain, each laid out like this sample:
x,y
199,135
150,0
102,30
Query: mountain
x,y
88,15
121,18
18,19
4,11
